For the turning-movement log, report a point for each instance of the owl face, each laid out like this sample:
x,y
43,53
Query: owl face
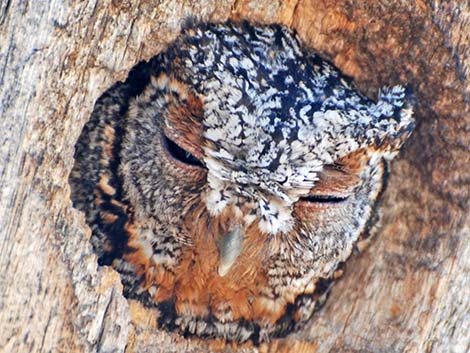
x,y
249,167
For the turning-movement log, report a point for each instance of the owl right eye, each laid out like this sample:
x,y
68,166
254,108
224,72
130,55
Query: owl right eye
x,y
180,154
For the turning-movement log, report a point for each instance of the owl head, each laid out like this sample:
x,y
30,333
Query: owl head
x,y
251,167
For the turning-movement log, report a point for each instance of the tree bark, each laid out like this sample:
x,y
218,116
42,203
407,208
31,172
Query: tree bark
x,y
407,291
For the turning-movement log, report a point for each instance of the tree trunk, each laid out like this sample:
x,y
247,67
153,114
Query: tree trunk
x,y
407,291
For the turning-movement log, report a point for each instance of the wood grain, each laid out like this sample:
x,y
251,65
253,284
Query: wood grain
x,y
408,291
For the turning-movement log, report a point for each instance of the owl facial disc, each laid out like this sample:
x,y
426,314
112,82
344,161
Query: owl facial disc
x,y
228,178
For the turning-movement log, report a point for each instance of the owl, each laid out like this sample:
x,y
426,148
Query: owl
x,y
229,177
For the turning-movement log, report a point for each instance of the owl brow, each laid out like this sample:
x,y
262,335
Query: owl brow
x,y
184,112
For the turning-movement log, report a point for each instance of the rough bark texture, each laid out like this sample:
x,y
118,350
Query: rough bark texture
x,y
408,291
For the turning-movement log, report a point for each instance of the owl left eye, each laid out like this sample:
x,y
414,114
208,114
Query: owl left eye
x,y
180,154
324,198
334,187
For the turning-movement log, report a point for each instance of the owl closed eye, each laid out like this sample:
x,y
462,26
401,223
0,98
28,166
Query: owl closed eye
x,y
229,177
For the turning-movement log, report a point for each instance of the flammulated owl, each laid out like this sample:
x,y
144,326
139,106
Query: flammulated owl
x,y
229,177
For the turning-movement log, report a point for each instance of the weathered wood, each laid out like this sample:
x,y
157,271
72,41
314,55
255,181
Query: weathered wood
x,y
408,291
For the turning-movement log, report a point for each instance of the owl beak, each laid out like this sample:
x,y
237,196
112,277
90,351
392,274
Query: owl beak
x,y
230,247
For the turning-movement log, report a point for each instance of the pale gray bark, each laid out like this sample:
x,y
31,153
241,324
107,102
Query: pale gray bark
x,y
409,291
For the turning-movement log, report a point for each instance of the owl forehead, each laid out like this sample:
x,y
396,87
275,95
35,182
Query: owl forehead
x,y
267,104
274,114
272,110
262,75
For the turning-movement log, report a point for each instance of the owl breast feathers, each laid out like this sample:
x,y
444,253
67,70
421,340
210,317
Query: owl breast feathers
x,y
229,177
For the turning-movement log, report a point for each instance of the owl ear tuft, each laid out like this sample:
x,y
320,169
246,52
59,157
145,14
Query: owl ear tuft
x,y
393,114
396,102
396,95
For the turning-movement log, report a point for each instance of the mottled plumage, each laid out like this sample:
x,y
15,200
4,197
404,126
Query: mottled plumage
x,y
229,177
